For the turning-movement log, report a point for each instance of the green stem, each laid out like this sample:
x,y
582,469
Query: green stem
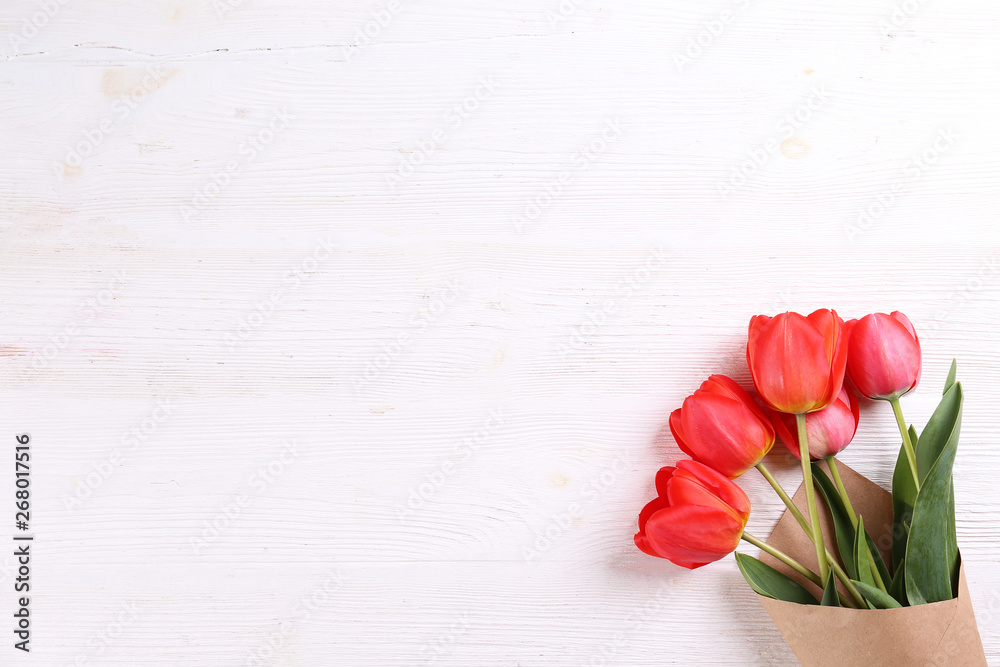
x,y
911,455
784,497
848,584
839,571
797,566
807,481
875,574
784,558
832,462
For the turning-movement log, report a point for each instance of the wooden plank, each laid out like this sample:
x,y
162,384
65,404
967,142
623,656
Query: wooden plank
x,y
338,351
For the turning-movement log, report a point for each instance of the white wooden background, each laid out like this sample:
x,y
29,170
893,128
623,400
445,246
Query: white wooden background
x,y
241,236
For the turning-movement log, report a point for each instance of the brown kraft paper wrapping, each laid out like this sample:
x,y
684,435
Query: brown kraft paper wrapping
x,y
942,633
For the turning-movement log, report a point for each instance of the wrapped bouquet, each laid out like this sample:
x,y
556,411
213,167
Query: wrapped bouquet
x,y
852,574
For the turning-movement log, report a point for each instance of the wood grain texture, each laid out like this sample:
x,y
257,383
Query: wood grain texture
x,y
340,350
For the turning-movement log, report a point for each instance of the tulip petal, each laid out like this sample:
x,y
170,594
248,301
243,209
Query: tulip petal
x,y
727,386
663,476
838,364
852,400
786,430
724,433
757,322
831,429
848,329
651,508
828,325
723,487
904,320
723,386
644,545
691,536
828,431
790,368
677,430
884,356
686,489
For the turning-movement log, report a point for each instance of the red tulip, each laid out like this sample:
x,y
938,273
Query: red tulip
x,y
698,517
883,359
721,426
827,431
797,363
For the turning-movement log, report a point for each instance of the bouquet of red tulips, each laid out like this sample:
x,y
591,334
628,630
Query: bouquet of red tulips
x,y
851,574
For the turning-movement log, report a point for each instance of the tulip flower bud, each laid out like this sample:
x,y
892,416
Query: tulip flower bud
x,y
883,359
721,426
828,431
697,518
797,363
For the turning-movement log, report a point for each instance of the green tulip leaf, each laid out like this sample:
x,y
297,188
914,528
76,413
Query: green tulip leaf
x,y
941,429
915,439
897,589
932,545
904,494
767,581
841,519
862,555
951,376
830,597
875,598
883,571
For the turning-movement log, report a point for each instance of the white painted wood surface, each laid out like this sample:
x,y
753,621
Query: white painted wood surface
x,y
231,227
